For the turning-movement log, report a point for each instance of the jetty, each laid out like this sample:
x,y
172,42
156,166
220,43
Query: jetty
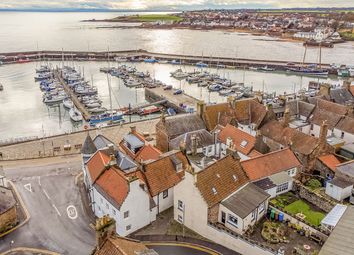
x,y
211,61
72,96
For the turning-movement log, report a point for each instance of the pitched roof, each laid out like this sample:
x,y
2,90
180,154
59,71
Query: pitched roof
x,y
242,141
340,241
97,164
340,182
203,138
330,161
329,106
245,200
298,141
180,124
147,152
301,108
351,88
117,245
113,185
319,116
346,124
270,164
220,179
341,96
124,162
346,168
161,174
265,183
88,147
101,142
212,114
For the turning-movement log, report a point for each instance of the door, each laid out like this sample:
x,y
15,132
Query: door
x,y
223,217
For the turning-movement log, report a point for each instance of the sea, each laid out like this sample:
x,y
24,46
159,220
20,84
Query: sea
x,y
23,115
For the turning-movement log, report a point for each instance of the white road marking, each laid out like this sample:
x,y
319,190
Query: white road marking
x,y
56,209
28,187
72,212
39,181
46,194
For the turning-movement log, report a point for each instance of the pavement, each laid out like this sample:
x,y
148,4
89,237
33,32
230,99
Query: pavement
x,y
180,249
58,221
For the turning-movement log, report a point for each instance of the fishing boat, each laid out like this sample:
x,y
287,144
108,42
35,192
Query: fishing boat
x,y
201,64
308,71
68,103
343,72
75,115
149,110
105,117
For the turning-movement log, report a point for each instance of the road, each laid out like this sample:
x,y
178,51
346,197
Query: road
x,y
180,249
58,222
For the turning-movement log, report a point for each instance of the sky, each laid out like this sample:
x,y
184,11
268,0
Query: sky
x,y
168,4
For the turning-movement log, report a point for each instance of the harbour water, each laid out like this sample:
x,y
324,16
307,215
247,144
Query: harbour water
x,y
23,114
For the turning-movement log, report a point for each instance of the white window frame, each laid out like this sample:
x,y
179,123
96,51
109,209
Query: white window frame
x,y
165,194
231,220
180,205
282,187
126,214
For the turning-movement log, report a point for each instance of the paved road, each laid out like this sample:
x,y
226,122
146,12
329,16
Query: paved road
x,y
58,222
180,249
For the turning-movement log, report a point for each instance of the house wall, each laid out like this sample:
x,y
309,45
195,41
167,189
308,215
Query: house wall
x,y
241,155
162,138
195,215
137,203
348,137
338,193
163,204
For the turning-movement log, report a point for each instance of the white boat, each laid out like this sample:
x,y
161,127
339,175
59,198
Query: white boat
x,y
54,99
93,105
97,110
75,114
68,103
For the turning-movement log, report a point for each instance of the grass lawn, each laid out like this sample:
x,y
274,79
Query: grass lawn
x,y
284,199
300,206
347,35
158,17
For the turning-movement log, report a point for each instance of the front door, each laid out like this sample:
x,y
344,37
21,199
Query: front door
x,y
223,217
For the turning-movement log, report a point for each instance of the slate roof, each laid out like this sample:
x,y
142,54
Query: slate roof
x,y
225,176
264,184
101,142
341,96
133,140
340,241
88,147
301,108
347,168
117,245
204,138
270,164
329,106
180,124
242,141
319,116
245,200
346,124
340,182
124,162
298,141
7,200
161,174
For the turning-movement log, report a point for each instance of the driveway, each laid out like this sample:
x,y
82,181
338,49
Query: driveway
x,y
58,222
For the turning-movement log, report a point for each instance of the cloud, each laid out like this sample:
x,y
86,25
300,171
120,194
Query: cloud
x,y
169,4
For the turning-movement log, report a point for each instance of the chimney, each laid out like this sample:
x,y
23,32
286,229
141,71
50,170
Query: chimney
x,y
200,108
132,129
105,228
231,151
163,118
286,119
112,160
346,85
194,145
323,133
325,89
182,147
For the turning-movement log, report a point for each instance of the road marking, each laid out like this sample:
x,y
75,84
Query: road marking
x,y
56,209
46,194
28,187
72,212
39,181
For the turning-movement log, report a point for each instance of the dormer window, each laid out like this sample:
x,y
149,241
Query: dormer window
x,y
177,163
214,190
234,177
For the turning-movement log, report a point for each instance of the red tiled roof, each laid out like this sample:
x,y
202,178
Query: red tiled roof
x,y
352,89
221,179
161,174
96,164
238,136
117,245
330,161
254,153
114,184
269,164
148,152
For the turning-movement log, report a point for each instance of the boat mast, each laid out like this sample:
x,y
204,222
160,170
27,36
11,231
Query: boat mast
x,y
320,59
109,85
303,59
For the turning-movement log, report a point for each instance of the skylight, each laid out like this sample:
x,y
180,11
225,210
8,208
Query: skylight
x,y
244,143
214,190
235,177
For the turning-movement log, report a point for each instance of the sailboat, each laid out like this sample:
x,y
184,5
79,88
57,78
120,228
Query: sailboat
x,y
311,70
75,114
68,103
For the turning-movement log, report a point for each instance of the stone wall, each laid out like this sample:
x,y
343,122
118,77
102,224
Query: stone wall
x,y
316,199
8,219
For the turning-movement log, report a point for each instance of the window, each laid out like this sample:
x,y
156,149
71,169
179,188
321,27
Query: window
x,y
114,212
232,220
180,205
244,143
282,187
342,135
128,227
126,214
180,218
210,149
253,216
261,208
311,128
165,194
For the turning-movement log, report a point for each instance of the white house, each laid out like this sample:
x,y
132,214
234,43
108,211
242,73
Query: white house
x,y
273,172
339,188
220,196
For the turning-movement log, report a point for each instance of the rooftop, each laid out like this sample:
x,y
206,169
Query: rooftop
x,y
340,182
203,139
245,200
346,168
330,161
